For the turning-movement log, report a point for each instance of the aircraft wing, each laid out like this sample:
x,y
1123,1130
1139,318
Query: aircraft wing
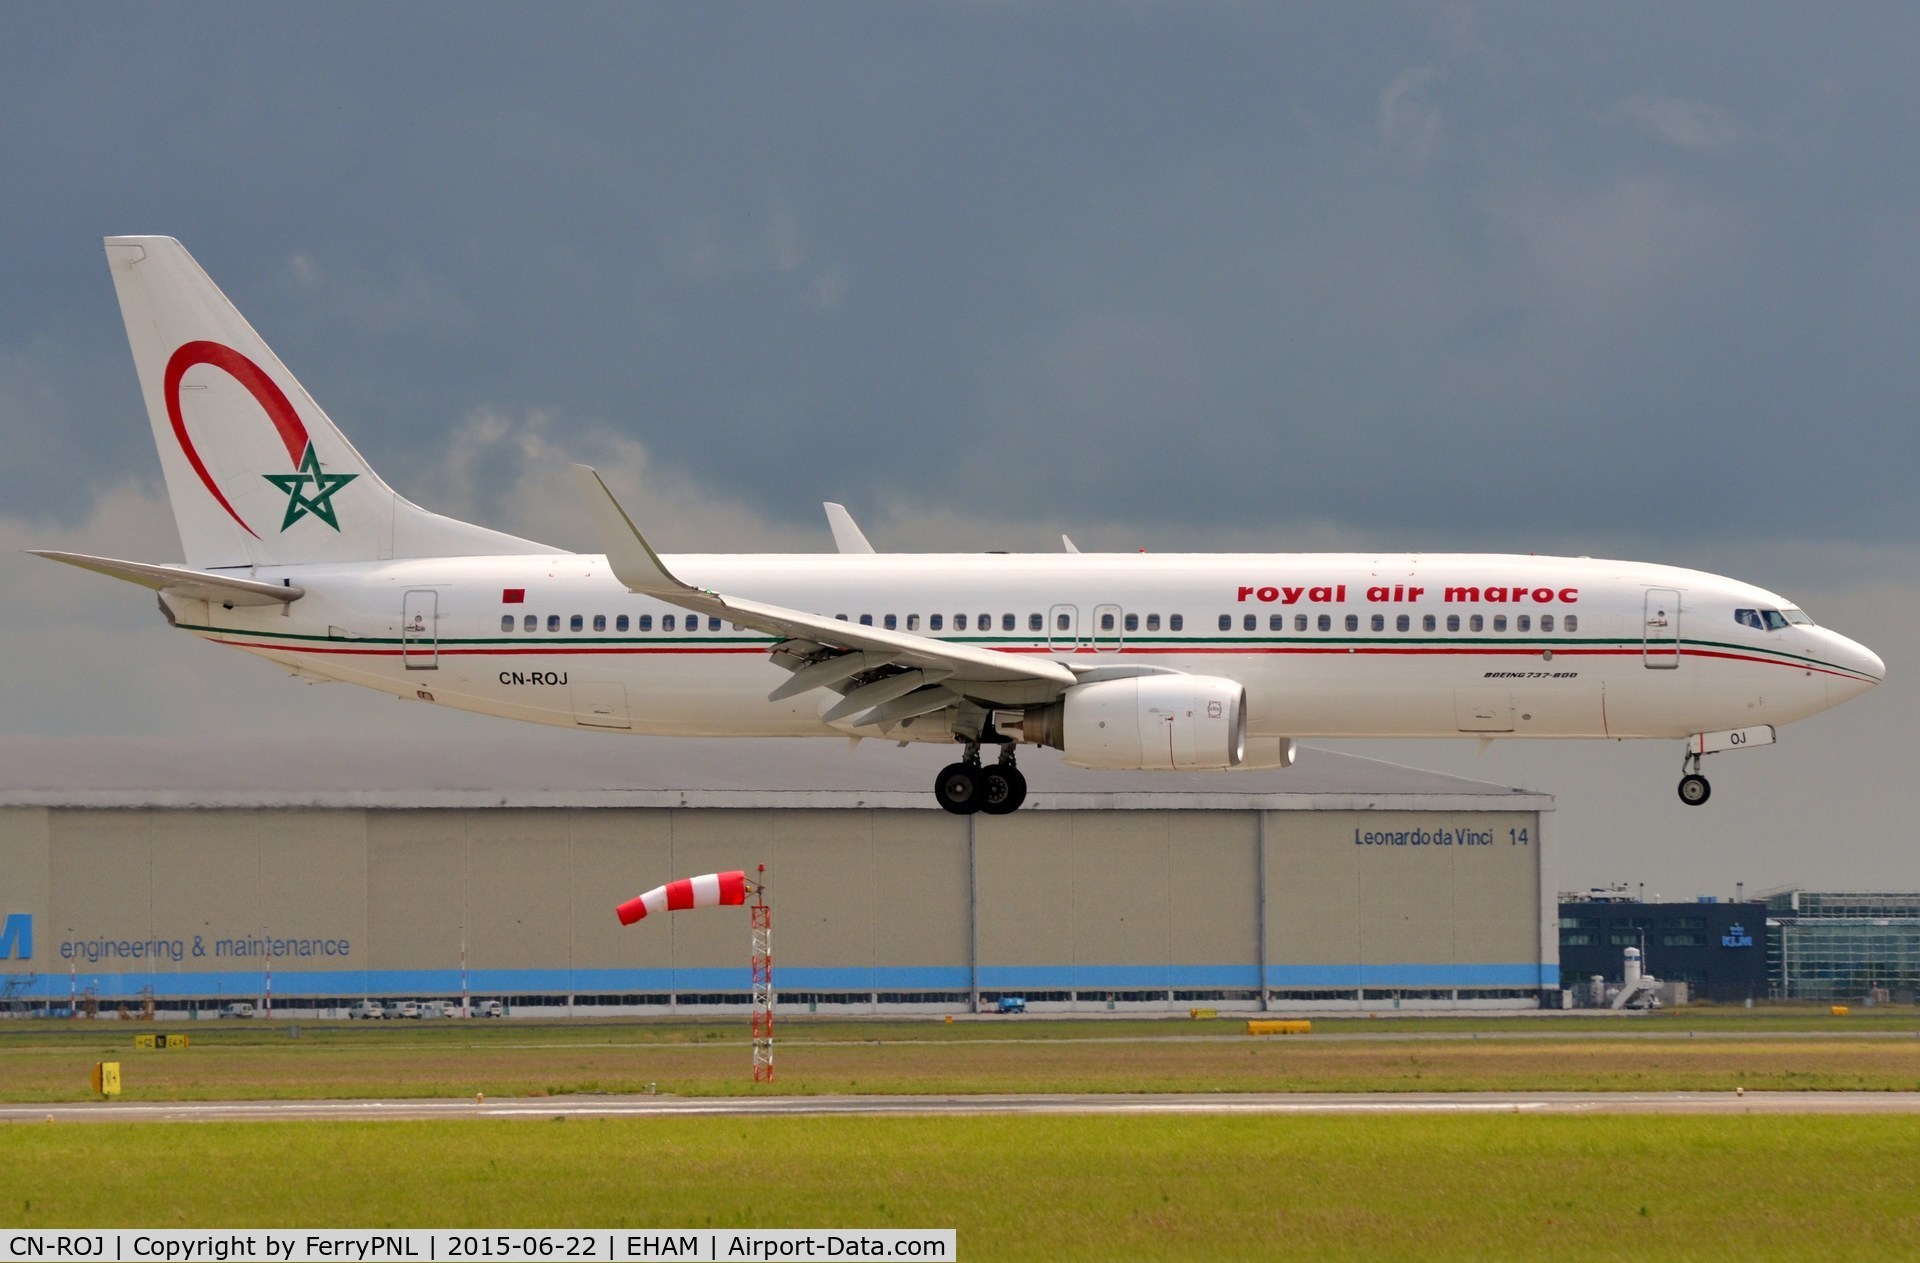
x,y
1012,678
199,585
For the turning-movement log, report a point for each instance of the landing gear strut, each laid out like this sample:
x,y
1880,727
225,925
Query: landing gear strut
x,y
965,787
1694,789
1006,788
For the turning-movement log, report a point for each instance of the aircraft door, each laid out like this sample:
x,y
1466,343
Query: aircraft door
x,y
420,630
1660,643
1063,628
1107,628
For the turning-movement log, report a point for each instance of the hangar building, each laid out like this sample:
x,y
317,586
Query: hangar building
x,y
1339,883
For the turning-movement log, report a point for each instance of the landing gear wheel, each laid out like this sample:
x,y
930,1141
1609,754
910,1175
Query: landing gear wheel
x,y
1006,789
960,788
1694,789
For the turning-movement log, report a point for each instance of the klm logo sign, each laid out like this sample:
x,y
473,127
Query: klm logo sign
x,y
16,937
1736,936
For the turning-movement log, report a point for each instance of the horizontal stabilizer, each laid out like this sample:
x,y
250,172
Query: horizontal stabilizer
x,y
196,585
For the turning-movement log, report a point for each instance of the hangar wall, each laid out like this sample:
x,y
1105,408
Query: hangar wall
x,y
1249,902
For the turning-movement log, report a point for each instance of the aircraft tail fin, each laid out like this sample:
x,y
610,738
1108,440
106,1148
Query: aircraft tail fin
x,y
257,473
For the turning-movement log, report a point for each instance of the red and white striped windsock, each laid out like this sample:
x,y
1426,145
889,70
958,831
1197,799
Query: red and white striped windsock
x,y
709,890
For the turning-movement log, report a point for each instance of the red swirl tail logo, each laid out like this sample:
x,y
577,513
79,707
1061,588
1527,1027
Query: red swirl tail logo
x,y
309,488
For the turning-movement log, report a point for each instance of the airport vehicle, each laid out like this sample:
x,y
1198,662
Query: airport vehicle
x,y
402,1009
239,1008
298,552
366,1009
487,1008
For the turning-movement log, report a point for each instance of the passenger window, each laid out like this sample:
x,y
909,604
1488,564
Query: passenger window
x,y
986,622
1523,623
1250,623
1299,622
620,623
1379,622
1476,623
959,622
1499,622
1064,622
1176,621
936,621
891,623
1427,622
866,620
1106,622
1453,622
553,622
532,623
1006,622
1226,622
576,623
599,622
1573,623
1132,622
1035,623
1403,623
913,622
1277,623
1353,622
692,623
841,617
666,622
1153,622
646,622
1326,622
713,624
1546,622
506,622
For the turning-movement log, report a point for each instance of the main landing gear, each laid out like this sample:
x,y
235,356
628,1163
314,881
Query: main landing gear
x,y
966,787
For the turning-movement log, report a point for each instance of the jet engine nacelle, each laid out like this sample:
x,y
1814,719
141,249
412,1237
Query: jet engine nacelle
x,y
1184,723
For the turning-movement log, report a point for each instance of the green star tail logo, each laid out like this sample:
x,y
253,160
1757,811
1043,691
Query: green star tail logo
x,y
320,501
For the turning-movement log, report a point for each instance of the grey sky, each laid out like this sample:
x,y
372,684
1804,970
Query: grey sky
x,y
1617,279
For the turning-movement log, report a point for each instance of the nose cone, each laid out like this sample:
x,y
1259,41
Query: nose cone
x,y
1860,667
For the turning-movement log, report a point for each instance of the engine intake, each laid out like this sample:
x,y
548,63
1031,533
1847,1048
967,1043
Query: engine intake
x,y
1182,723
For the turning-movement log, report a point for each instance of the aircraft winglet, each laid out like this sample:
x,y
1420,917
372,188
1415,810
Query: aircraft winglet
x,y
847,535
629,555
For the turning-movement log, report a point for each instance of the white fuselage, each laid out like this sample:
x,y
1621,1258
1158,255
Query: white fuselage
x,y
1350,645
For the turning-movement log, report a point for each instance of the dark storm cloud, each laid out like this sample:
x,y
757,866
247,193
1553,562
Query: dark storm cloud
x,y
1435,273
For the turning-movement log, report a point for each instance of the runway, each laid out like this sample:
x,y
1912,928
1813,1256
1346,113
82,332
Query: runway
x,y
1088,1104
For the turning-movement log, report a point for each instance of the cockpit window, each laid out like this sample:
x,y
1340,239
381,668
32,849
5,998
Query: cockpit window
x,y
1766,620
1797,617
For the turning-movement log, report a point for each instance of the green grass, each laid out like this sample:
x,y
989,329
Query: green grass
x,y
1691,1050
1614,1187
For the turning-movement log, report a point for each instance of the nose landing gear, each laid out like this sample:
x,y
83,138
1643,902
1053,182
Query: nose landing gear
x,y
1694,789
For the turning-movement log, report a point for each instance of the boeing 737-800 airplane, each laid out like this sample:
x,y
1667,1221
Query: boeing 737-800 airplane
x,y
298,552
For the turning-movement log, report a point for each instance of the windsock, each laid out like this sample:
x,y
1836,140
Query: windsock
x,y
709,890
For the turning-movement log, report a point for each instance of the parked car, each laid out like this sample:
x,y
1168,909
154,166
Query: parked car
x,y
439,1008
239,1008
366,1009
487,1008
403,1008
